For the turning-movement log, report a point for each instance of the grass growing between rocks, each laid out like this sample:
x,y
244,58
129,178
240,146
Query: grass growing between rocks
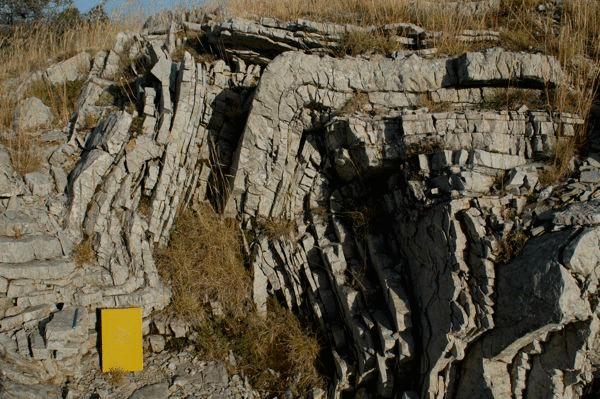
x,y
83,252
511,99
116,376
358,42
568,32
204,264
212,289
511,246
277,227
434,16
561,163
24,151
31,47
7,105
60,98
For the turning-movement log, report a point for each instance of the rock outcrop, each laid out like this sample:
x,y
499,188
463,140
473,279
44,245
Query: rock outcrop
x,y
404,214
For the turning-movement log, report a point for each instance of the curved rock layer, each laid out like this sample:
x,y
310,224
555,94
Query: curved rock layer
x,y
401,215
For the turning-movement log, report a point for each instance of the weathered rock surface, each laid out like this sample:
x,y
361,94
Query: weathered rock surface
x,y
74,68
32,113
11,184
403,216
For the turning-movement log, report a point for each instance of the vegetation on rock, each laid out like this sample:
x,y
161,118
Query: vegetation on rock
x,y
212,289
205,263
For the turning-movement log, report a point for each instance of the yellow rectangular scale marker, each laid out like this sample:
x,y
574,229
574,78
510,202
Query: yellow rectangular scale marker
x,y
121,331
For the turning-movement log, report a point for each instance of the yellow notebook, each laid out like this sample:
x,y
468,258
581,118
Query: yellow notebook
x,y
121,331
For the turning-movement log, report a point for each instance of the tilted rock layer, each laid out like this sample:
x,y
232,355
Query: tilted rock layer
x,y
402,215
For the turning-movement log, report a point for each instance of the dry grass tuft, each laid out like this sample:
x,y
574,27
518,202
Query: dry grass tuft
x,y
204,263
360,42
271,351
24,151
61,98
90,121
281,344
83,252
145,206
18,232
425,100
116,376
358,102
511,246
277,227
136,126
511,98
560,164
205,266
193,43
7,106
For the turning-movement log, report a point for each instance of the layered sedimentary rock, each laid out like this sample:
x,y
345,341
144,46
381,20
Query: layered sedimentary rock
x,y
403,212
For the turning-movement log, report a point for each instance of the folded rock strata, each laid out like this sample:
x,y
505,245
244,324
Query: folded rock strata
x,y
400,212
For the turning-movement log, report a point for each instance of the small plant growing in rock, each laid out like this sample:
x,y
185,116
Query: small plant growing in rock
x,y
90,120
193,43
24,151
106,99
277,227
560,164
145,206
425,100
17,232
511,246
116,376
511,98
427,146
498,185
359,42
356,103
136,126
83,252
124,95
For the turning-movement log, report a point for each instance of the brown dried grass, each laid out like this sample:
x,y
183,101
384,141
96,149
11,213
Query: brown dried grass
x,y
574,41
559,165
32,47
83,252
116,376
7,106
359,42
521,27
24,150
279,343
60,98
511,246
204,264
277,227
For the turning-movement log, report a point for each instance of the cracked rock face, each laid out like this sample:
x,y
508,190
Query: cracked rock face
x,y
403,216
